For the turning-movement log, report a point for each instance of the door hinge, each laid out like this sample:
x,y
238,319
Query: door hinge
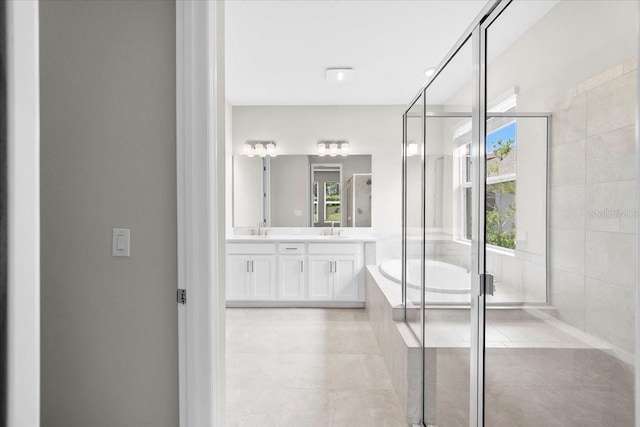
x,y
182,296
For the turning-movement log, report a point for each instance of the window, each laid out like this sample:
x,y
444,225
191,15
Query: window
x,y
315,202
501,187
332,202
500,192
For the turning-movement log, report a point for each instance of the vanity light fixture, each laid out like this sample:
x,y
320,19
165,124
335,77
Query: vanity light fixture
x,y
259,148
333,148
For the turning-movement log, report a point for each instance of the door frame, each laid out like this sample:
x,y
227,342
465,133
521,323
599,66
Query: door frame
x,y
23,213
200,170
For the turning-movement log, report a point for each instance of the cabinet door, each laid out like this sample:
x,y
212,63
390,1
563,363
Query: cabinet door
x,y
346,278
263,277
238,277
291,277
321,278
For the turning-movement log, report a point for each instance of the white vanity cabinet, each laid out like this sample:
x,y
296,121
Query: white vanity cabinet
x,y
292,274
333,278
321,277
336,271
313,273
251,272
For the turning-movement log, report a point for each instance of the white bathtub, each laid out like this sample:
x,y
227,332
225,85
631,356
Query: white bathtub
x,y
439,276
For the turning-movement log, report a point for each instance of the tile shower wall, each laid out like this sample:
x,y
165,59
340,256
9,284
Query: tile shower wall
x,y
593,181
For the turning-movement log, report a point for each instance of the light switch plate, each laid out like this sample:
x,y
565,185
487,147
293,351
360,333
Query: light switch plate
x,y
121,242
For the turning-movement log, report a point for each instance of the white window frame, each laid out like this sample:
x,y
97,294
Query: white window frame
x,y
326,203
506,105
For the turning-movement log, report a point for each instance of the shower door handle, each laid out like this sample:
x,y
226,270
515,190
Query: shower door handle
x,y
486,284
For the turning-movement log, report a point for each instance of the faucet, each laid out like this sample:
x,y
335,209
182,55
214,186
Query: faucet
x,y
259,228
332,224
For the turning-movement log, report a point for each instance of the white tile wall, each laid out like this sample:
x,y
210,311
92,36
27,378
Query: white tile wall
x,y
593,181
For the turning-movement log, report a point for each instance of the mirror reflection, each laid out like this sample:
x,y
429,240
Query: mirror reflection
x,y
302,191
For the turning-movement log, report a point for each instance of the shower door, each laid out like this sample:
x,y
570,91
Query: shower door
x,y
558,231
520,219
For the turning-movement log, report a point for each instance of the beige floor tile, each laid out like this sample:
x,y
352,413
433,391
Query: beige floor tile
x,y
306,367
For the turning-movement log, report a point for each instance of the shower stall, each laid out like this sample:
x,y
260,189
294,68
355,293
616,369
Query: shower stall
x,y
519,233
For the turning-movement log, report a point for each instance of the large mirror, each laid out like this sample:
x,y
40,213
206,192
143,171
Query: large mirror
x,y
302,191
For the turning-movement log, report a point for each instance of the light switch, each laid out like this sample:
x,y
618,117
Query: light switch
x,y
121,242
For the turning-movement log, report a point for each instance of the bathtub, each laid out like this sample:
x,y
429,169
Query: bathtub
x,y
439,276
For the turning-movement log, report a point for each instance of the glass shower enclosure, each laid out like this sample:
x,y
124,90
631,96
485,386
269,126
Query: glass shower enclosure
x,y
519,219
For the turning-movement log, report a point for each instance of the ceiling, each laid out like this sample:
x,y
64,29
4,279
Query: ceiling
x,y
277,51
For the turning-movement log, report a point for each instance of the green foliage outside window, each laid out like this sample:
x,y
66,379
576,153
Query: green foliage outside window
x,y
500,223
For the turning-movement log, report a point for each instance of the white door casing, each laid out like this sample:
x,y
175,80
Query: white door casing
x,y
200,150
23,213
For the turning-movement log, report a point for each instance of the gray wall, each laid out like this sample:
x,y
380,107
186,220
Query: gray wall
x,y
109,325
290,191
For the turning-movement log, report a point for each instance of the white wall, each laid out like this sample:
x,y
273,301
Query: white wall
x,y
374,130
247,186
23,193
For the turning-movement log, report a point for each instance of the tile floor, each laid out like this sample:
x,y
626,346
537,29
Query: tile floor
x,y
306,367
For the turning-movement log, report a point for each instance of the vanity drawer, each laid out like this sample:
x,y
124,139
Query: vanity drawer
x,y
251,248
291,248
333,248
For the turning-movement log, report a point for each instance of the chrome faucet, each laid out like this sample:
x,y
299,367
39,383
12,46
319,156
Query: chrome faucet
x,y
259,228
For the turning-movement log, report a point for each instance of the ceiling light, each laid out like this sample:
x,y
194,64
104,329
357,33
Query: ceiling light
x,y
340,74
430,71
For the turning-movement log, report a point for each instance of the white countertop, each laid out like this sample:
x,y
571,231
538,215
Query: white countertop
x,y
300,238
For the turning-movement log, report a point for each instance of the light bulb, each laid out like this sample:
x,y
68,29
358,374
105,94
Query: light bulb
x,y
271,149
247,149
333,149
260,149
322,149
344,148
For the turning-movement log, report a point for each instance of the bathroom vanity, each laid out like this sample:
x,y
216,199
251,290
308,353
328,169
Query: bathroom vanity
x,y
297,271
